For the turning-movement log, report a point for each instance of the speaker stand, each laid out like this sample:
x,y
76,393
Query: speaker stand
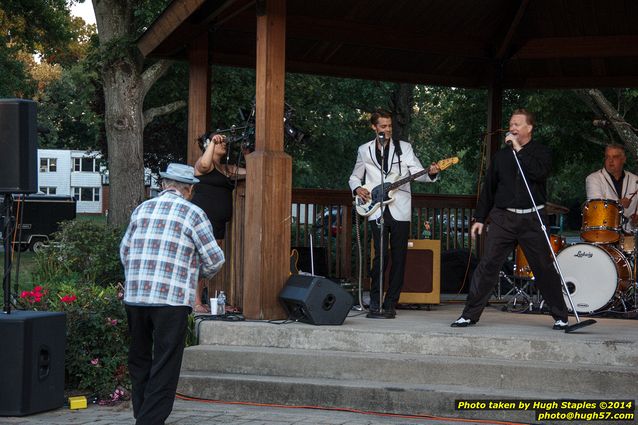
x,y
6,234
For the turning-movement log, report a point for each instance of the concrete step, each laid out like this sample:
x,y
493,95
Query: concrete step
x,y
401,369
363,395
414,364
543,344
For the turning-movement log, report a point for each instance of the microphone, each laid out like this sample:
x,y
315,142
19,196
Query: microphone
x,y
381,136
509,141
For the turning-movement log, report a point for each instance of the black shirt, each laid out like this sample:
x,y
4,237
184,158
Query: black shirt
x,y
386,154
214,194
617,183
504,187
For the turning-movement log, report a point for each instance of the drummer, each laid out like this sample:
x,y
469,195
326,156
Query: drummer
x,y
615,183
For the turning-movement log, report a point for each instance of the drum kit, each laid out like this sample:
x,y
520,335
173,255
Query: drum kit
x,y
599,272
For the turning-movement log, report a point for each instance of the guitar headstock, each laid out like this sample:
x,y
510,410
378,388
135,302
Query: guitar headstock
x,y
447,162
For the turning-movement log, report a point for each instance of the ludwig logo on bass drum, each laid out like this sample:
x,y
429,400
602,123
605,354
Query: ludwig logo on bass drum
x,y
581,254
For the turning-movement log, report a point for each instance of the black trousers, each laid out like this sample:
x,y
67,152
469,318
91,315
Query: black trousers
x,y
395,234
505,230
154,359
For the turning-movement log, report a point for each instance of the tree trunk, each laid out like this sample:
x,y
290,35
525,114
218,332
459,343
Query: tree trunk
x,y
597,100
124,122
402,100
125,87
124,119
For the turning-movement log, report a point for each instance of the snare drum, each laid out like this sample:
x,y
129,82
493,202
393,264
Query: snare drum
x,y
521,266
602,221
594,275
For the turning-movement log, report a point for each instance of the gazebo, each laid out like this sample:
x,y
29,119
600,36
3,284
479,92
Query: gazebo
x,y
491,44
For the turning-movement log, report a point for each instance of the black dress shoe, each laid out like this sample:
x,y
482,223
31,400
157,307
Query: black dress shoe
x,y
462,322
390,312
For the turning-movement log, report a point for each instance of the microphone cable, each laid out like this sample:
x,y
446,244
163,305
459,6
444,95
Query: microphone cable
x,y
359,256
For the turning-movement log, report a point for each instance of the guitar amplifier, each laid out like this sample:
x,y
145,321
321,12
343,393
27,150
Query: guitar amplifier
x,y
422,279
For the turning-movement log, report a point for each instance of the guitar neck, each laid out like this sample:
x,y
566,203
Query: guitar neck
x,y
407,179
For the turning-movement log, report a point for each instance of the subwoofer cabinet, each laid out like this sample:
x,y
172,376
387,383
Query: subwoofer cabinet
x,y
31,362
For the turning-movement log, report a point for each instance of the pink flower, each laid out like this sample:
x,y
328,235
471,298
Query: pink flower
x,y
95,361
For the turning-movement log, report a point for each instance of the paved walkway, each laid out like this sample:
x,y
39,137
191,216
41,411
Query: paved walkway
x,y
199,413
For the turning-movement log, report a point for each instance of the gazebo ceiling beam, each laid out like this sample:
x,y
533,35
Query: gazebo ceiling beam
x,y
503,51
579,47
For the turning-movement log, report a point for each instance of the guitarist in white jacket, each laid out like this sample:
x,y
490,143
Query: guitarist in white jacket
x,y
399,161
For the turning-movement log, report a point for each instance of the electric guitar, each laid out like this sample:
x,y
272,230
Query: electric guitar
x,y
379,193
294,260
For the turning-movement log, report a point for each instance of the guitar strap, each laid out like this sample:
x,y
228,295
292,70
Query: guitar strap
x,y
398,152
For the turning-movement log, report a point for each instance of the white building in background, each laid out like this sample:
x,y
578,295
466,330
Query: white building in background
x,y
75,173
80,174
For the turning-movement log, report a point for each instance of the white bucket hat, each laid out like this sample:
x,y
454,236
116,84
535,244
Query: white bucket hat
x,y
180,173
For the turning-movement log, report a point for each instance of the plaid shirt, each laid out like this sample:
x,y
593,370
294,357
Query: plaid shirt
x,y
168,243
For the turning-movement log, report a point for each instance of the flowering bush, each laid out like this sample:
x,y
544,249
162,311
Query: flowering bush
x,y
86,251
33,297
96,334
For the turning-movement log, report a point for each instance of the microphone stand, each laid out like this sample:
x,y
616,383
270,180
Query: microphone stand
x,y
578,324
381,224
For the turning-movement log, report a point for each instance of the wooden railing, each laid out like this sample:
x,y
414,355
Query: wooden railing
x,y
327,218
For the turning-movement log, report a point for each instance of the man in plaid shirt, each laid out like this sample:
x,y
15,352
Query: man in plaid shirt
x,y
168,243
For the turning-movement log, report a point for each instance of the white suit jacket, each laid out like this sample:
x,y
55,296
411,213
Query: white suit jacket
x,y
600,186
367,166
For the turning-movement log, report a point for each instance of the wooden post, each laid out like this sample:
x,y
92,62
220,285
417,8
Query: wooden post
x,y
198,94
494,124
494,113
269,174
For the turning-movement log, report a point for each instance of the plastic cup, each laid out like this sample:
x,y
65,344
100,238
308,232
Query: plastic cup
x,y
213,306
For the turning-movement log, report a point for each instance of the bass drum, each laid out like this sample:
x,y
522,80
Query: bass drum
x,y
594,274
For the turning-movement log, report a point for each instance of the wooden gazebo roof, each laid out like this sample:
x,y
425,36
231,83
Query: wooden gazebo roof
x,y
463,43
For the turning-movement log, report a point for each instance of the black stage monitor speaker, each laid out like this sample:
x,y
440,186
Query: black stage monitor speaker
x,y
18,146
315,300
31,362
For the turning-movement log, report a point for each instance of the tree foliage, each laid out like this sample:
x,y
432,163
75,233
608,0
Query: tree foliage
x,y
29,27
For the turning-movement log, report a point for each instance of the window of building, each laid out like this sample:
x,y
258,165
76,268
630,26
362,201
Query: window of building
x,y
91,194
84,164
48,165
48,190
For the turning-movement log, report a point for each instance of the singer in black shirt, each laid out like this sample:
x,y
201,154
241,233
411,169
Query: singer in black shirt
x,y
504,198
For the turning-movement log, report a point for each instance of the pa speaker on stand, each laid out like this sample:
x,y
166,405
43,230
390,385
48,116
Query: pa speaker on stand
x,y
18,146
315,300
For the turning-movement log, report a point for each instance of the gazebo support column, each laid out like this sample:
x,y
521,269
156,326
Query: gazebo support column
x,y
494,115
198,94
269,174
